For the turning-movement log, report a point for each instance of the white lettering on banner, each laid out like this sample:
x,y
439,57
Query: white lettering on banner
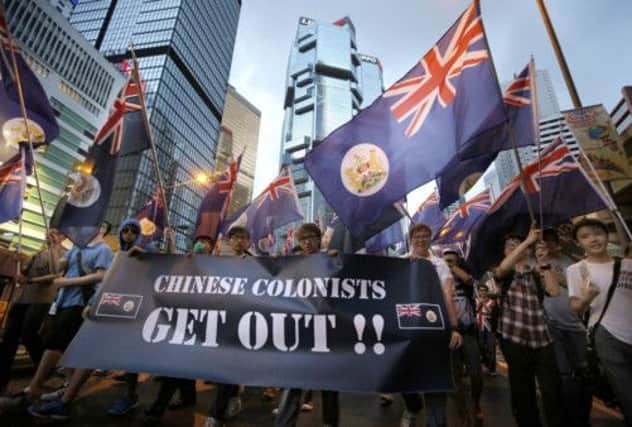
x,y
178,327
185,321
316,287
261,330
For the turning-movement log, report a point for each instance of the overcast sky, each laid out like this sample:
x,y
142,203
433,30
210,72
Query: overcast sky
x,y
595,36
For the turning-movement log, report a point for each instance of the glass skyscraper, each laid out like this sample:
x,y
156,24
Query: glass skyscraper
x,y
185,50
328,82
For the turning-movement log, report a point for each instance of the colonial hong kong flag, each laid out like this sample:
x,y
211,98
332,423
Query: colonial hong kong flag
x,y
419,316
43,125
430,214
152,218
518,98
462,174
215,204
133,134
12,186
566,192
458,227
448,105
84,206
275,207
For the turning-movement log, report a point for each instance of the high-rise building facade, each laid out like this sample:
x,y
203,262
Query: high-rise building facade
x,y
81,86
239,133
184,50
327,83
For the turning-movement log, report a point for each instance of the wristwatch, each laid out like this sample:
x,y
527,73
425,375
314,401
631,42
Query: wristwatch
x,y
545,267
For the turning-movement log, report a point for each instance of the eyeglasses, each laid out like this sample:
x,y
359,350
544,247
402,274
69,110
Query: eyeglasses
x,y
129,230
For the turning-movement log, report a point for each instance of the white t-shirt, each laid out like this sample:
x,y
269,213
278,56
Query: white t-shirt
x,y
443,271
618,317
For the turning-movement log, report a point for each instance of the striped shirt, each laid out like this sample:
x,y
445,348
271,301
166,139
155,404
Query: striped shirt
x,y
522,320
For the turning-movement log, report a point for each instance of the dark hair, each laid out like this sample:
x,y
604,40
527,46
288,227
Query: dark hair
x,y
550,235
450,252
308,227
207,238
589,222
513,236
419,227
238,229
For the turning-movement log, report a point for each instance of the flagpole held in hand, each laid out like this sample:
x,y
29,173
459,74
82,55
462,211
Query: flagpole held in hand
x,y
154,154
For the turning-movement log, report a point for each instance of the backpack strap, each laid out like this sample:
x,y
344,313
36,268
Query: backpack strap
x,y
613,286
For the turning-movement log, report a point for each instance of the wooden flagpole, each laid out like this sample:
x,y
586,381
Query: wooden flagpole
x,y
570,84
535,119
154,154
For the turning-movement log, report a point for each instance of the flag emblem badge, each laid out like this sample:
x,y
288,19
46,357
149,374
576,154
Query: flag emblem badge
x,y
419,316
364,169
147,227
114,304
85,190
14,132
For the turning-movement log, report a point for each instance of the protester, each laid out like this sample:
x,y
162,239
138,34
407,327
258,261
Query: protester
x,y
420,236
604,285
486,319
203,245
524,336
227,402
131,241
84,270
468,354
309,238
32,299
568,333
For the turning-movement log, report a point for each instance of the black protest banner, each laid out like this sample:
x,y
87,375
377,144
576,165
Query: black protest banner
x,y
352,322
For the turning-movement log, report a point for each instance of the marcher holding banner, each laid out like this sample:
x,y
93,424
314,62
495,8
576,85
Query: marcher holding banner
x,y
420,236
309,239
227,402
130,241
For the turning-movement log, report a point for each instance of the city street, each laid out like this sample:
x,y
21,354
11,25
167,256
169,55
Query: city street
x,y
356,409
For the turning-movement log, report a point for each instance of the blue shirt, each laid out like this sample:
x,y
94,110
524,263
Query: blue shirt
x,y
93,258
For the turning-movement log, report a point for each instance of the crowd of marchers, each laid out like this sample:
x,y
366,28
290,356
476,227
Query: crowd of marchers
x,y
561,323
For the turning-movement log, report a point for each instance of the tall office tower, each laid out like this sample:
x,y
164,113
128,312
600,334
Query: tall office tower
x,y
239,133
185,50
328,82
81,86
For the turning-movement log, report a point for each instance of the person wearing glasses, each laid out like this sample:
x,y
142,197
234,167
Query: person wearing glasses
x,y
309,239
